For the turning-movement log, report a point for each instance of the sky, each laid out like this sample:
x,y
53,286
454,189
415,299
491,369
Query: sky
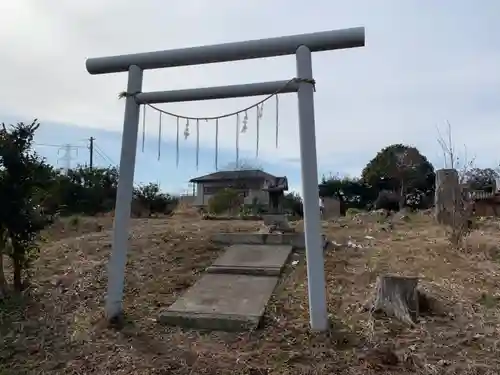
x,y
425,62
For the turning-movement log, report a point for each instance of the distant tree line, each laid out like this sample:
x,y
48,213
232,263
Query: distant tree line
x,y
400,174
32,193
90,191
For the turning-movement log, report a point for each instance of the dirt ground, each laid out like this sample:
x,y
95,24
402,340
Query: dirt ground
x,y
57,327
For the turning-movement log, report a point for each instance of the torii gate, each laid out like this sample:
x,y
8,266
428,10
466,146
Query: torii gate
x,y
135,64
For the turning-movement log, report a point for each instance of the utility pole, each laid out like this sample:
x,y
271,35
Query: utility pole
x,y
91,152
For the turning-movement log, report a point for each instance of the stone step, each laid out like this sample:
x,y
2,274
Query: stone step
x,y
296,240
253,260
222,302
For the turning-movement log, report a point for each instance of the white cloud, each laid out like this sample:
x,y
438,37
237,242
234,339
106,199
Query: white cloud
x,y
421,65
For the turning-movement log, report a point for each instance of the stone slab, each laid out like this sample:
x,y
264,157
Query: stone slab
x,y
296,240
222,302
279,220
254,260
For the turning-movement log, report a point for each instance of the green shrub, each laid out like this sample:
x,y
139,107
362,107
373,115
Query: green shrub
x,y
225,200
353,211
292,203
151,198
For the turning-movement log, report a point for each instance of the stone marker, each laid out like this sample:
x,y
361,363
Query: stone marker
x,y
331,208
276,223
447,199
275,189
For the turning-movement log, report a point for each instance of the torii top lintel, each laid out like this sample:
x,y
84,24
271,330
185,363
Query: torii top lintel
x,y
252,49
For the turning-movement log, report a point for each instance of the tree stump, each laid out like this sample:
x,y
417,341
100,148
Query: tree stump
x,y
397,296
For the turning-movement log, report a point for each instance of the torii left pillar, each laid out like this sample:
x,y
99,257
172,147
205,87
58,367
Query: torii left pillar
x,y
124,193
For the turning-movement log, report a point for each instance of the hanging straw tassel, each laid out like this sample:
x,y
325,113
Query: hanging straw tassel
x,y
244,128
259,116
216,144
257,134
197,143
159,138
177,145
277,118
237,140
186,130
143,126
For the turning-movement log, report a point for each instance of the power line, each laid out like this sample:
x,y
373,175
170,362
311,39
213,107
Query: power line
x,y
92,147
104,157
55,145
67,148
103,154
98,153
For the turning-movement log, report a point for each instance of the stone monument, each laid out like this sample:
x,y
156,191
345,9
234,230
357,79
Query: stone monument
x,y
331,208
275,219
447,200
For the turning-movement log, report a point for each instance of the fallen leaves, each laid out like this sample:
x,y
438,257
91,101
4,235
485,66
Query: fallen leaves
x,y
55,329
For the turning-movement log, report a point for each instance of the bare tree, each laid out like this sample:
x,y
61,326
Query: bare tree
x,y
242,165
452,158
407,163
453,198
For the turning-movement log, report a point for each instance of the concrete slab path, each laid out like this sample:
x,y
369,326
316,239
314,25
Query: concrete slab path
x,y
253,260
222,302
233,295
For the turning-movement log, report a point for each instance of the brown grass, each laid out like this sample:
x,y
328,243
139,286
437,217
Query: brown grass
x,y
56,327
186,210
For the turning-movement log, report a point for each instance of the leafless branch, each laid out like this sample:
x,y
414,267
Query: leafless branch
x,y
451,158
462,206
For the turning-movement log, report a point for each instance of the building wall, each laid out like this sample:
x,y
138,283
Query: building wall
x,y
262,196
198,201
187,199
250,188
486,208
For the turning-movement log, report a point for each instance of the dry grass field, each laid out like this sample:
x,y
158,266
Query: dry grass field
x,y
56,327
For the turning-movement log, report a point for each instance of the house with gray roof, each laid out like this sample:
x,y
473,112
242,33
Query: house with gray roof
x,y
250,183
